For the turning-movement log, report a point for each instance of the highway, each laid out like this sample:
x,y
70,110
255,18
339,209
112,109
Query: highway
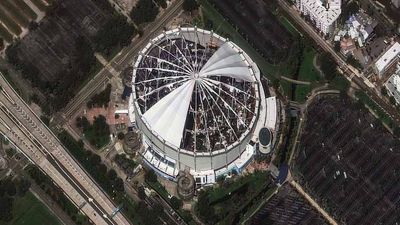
x,y
350,72
122,60
27,132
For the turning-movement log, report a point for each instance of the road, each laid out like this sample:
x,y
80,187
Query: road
x,y
122,60
313,203
27,132
350,72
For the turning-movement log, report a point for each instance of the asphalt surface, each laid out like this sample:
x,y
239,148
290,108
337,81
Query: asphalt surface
x,y
122,60
350,72
43,149
23,128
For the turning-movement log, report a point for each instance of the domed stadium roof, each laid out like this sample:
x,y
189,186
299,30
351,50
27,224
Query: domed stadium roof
x,y
196,90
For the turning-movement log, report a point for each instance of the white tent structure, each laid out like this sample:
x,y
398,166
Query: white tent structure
x,y
195,98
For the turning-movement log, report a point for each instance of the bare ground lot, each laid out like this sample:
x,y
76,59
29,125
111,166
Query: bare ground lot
x,y
349,163
287,207
51,46
256,20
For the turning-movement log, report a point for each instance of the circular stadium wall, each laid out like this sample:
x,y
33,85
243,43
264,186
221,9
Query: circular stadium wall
x,y
196,98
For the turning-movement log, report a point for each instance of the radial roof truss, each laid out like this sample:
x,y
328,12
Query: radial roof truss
x,y
178,78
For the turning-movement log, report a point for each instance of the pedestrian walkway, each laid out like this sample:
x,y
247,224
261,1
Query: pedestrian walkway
x,y
313,203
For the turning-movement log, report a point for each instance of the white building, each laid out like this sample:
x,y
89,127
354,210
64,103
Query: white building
x,y
323,13
198,101
389,58
393,85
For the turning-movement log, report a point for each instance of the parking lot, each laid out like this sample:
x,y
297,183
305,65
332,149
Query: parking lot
x,y
349,163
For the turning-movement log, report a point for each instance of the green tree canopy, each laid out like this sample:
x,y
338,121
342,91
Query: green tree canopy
x,y
151,176
116,32
144,11
328,66
6,205
176,203
190,5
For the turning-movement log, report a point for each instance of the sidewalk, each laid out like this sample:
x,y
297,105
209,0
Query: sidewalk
x,y
313,203
53,207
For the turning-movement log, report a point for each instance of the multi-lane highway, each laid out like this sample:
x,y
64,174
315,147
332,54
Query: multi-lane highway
x,y
118,63
350,72
27,132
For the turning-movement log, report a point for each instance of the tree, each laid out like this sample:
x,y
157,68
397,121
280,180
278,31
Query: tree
x,y
116,32
392,100
9,187
151,176
119,185
328,66
190,5
205,211
340,83
141,193
354,62
149,217
176,203
350,9
84,56
276,83
120,136
83,123
383,91
98,134
144,11
112,175
101,99
6,205
396,131
337,46
23,186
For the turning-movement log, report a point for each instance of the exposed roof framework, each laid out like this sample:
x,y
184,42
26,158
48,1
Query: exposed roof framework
x,y
196,91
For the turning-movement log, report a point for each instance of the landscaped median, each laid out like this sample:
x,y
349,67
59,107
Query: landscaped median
x,y
227,203
376,109
174,202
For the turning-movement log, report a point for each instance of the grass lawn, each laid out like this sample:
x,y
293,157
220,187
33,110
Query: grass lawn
x,y
159,189
289,26
301,92
286,87
232,199
28,210
225,29
256,180
307,72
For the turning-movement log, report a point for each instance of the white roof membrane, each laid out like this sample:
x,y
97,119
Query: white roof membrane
x,y
226,61
167,117
184,96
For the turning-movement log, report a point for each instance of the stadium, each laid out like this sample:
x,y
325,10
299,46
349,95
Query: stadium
x,y
198,100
